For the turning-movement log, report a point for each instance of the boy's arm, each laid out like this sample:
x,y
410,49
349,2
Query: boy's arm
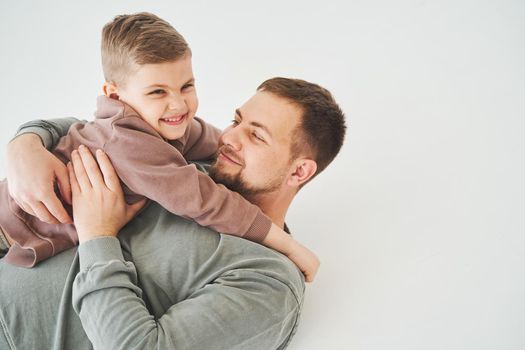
x,y
157,170
201,141
153,168
301,256
33,173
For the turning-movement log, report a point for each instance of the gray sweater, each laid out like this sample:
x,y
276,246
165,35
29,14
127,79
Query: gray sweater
x,y
165,283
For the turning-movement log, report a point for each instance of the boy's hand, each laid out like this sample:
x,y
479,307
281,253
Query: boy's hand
x,y
31,175
305,260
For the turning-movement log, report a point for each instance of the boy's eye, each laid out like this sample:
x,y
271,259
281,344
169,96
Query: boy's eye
x,y
156,92
187,86
235,122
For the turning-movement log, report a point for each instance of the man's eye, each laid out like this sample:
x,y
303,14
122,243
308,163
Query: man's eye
x,y
157,92
257,136
235,122
187,86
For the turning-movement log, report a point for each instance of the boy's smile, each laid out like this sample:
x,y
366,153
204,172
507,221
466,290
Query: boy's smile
x,y
163,94
174,120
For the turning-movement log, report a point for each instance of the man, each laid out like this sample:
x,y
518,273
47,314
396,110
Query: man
x,y
167,282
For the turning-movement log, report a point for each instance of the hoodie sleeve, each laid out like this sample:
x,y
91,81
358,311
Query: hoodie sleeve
x,y
151,167
200,141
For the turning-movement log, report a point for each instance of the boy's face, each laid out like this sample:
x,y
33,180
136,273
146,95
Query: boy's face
x,y
164,95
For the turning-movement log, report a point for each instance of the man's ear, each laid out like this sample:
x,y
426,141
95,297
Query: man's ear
x,y
303,171
110,90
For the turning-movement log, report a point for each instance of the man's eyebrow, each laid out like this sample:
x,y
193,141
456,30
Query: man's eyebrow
x,y
256,124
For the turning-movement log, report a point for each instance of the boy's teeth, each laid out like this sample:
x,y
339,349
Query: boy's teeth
x,y
173,119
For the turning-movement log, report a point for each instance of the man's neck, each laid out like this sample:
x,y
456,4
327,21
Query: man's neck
x,y
274,205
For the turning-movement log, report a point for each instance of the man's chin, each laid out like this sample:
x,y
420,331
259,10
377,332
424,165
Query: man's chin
x,y
234,182
219,174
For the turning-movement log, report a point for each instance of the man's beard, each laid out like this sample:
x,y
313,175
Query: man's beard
x,y
238,184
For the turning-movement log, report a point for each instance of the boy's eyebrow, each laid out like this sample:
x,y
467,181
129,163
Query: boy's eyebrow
x,y
256,124
191,81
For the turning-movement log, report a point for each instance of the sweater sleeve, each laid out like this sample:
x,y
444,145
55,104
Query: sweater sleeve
x,y
49,131
239,310
202,141
151,167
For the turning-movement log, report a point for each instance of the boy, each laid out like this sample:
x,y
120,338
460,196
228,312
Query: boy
x,y
145,123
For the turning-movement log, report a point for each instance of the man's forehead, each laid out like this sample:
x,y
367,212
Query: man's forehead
x,y
275,113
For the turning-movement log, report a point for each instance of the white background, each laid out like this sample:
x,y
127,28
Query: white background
x,y
419,222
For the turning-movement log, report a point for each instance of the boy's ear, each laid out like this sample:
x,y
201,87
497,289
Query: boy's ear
x,y
303,171
110,90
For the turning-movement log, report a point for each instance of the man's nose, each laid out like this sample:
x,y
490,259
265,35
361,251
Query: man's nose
x,y
232,137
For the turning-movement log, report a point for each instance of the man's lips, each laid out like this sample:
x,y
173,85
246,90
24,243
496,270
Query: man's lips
x,y
227,158
174,120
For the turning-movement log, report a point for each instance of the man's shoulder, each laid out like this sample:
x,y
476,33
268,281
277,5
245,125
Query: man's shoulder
x,y
247,255
182,247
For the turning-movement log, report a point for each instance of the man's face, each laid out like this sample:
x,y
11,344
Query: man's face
x,y
163,95
255,151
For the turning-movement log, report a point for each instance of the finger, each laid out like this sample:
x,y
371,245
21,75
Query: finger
x,y
25,207
91,166
62,177
75,189
55,207
43,214
80,172
308,278
309,275
34,208
133,209
110,175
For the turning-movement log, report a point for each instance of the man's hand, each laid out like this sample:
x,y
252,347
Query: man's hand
x,y
32,172
99,208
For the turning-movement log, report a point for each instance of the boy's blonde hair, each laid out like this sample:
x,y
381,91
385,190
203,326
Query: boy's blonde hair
x,y
137,39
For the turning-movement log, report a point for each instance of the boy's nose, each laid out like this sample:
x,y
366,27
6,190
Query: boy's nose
x,y
176,102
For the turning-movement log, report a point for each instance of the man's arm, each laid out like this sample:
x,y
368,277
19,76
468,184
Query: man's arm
x,y
33,172
50,131
241,309
234,307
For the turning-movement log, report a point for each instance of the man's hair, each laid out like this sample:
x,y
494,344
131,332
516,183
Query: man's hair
x,y
140,38
321,131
